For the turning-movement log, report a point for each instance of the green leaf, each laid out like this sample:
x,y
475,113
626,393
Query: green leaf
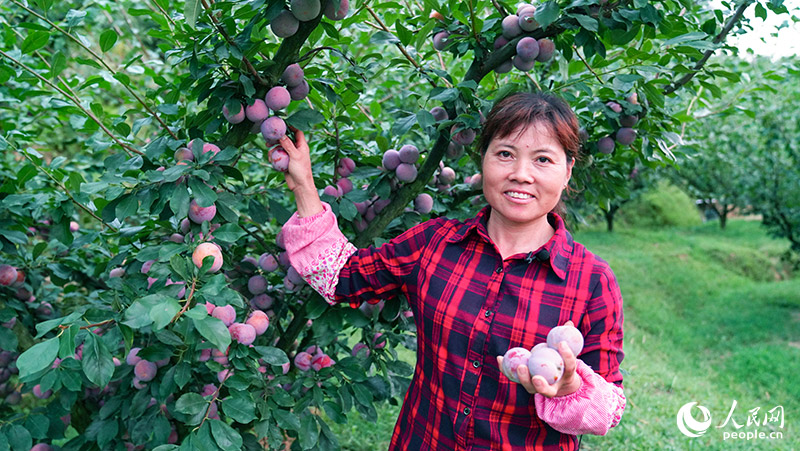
x,y
7,339
202,193
383,37
191,404
347,209
37,357
286,420
179,201
305,119
309,433
404,124
214,331
273,356
229,233
587,22
107,39
191,9
37,425
547,13
34,41
162,313
18,437
240,410
98,365
225,436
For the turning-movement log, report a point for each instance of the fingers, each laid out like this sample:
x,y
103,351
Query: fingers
x,y
287,145
570,361
500,361
569,323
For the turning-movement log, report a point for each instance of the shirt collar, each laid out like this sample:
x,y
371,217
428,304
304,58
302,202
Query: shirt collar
x,y
560,246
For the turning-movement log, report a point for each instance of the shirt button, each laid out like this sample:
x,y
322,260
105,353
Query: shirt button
x,y
499,269
467,410
487,313
476,363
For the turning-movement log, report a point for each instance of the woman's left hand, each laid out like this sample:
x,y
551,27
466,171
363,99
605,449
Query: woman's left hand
x,y
569,382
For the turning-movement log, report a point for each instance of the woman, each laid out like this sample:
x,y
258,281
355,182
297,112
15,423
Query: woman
x,y
478,288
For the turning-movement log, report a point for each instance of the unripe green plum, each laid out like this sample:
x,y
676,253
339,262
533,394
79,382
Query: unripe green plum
x,y
511,27
204,250
423,203
277,98
526,19
279,159
546,362
567,333
8,275
626,136
257,284
523,64
225,313
243,333
546,50
512,359
406,172
439,114
300,91
292,75
528,48
273,128
440,40
200,214
606,145
145,370
391,159
305,10
257,112
409,154
236,117
284,24
332,13
259,321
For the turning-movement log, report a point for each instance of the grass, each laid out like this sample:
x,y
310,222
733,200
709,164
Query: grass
x,y
710,316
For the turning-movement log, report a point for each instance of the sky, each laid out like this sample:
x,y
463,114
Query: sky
x,y
760,39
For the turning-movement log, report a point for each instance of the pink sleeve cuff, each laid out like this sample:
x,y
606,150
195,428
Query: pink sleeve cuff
x,y
317,249
594,409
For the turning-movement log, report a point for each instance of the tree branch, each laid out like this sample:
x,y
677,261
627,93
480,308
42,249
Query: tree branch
x,y
732,21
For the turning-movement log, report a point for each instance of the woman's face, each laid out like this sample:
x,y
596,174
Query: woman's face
x,y
524,174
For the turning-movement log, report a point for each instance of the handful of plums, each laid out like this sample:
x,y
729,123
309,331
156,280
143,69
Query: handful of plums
x,y
544,359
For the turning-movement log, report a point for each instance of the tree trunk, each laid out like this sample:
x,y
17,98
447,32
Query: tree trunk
x,y
610,217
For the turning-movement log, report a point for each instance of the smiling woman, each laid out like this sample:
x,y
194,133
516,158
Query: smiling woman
x,y
476,291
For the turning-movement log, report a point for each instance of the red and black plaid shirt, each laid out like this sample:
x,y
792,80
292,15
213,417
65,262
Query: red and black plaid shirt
x,y
470,306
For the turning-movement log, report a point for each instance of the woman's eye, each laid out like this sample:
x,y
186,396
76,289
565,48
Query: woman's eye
x,y
543,160
504,154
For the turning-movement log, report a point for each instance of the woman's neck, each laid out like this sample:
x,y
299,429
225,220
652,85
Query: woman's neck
x,y
515,238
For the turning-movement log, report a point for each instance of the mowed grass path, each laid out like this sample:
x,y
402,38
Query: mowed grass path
x,y
707,319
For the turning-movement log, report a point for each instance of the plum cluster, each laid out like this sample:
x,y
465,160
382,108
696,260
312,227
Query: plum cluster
x,y
287,22
313,358
543,359
8,391
626,117
343,184
528,49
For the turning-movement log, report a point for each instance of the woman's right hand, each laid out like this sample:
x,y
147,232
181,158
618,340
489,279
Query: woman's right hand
x,y
299,177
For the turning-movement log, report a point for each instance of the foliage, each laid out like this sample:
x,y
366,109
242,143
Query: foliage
x,y
95,99
661,205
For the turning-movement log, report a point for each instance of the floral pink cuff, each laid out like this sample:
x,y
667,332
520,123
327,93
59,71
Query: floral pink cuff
x,y
317,249
594,409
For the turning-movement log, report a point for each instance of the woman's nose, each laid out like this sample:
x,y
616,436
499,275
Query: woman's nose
x,y
522,172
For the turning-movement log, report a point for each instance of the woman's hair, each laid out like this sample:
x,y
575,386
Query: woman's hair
x,y
517,110
520,109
